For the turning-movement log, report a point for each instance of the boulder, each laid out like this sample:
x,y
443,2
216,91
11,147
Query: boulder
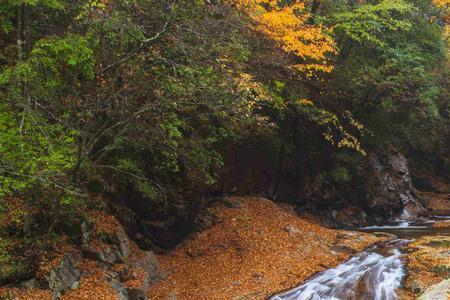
x,y
117,250
437,204
64,276
123,243
117,286
149,263
390,187
152,273
438,291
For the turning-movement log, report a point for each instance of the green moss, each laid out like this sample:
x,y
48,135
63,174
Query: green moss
x,y
439,243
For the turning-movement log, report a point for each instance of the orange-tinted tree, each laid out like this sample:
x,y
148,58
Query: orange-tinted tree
x,y
290,26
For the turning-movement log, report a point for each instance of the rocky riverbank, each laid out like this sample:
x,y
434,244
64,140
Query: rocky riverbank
x,y
428,266
241,248
251,248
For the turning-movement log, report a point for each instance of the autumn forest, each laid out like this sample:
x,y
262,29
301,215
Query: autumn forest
x,y
225,149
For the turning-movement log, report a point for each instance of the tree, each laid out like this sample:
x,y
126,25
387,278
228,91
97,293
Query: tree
x,y
287,23
37,141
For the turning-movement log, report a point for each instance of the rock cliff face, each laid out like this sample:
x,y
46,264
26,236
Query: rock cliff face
x,y
390,190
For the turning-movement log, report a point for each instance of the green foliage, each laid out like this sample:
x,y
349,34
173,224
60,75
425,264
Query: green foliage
x,y
386,68
34,154
10,267
39,153
373,23
143,95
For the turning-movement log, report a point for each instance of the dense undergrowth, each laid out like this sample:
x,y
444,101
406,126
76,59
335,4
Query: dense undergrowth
x,y
152,99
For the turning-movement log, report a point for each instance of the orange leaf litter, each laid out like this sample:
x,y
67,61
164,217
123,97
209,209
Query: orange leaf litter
x,y
254,249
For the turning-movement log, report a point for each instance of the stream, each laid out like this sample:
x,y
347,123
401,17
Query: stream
x,y
374,274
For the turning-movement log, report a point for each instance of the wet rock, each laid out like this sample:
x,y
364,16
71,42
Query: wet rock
x,y
343,249
384,235
438,291
390,187
64,276
417,287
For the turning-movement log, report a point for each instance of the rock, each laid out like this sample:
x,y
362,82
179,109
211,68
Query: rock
x,y
343,249
173,296
64,276
116,248
433,184
117,251
137,294
108,255
437,204
438,291
149,263
122,292
152,274
29,284
384,235
85,233
390,187
417,287
291,230
123,243
445,254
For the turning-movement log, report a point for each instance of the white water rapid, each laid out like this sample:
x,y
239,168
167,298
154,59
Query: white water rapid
x,y
373,274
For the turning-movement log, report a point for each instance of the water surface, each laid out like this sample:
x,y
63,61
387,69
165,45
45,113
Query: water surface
x,y
374,274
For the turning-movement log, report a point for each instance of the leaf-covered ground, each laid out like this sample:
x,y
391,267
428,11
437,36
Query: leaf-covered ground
x,y
252,249
428,261
95,280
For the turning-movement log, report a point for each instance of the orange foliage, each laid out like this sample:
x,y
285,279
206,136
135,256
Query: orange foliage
x,y
288,26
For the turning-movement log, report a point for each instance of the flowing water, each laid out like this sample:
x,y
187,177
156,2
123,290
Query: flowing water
x,y
374,274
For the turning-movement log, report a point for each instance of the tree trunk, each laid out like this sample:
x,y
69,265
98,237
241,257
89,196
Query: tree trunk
x,y
27,218
23,52
55,213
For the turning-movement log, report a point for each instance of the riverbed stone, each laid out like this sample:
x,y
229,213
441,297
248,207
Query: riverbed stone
x,y
440,291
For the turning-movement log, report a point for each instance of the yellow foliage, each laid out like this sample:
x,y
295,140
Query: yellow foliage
x,y
305,102
445,6
288,26
442,3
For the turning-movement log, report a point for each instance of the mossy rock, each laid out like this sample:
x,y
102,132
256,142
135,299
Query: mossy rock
x,y
444,243
441,270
